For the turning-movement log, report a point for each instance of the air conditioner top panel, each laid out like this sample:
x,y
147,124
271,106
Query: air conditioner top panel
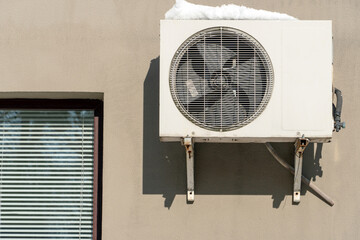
x,y
300,66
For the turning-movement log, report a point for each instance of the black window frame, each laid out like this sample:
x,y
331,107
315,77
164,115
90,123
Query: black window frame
x,y
74,104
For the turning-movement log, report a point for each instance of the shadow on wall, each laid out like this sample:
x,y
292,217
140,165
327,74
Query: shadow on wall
x,y
220,169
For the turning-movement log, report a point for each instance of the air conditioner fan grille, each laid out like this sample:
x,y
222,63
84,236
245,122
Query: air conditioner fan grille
x,y
221,78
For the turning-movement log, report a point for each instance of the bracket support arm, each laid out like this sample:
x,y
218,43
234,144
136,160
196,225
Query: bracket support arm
x,y
300,145
188,142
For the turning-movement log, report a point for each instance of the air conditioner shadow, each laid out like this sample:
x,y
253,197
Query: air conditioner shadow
x,y
220,169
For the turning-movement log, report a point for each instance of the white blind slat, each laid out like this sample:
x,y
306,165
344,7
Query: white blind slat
x,y
87,169
44,199
49,217
4,204
45,223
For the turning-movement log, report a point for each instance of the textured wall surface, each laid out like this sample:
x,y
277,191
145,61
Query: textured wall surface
x,y
242,193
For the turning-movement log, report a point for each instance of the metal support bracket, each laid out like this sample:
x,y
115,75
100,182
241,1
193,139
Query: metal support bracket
x,y
300,145
189,147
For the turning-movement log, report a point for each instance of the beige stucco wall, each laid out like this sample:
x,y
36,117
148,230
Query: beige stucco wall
x,y
107,47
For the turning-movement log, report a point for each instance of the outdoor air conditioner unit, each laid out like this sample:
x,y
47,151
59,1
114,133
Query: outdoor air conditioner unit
x,y
245,81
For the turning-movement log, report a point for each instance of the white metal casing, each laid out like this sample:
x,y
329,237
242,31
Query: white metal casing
x,y
301,100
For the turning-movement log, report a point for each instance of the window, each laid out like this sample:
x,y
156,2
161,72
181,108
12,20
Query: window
x,y
49,172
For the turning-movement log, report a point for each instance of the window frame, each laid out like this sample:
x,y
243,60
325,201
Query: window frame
x,y
74,104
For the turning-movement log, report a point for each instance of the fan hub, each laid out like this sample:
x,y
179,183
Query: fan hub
x,y
220,81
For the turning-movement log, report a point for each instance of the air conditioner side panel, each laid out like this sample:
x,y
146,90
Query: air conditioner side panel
x,y
307,74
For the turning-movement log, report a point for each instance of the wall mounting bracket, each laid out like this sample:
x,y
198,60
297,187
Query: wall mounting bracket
x,y
300,145
306,181
188,142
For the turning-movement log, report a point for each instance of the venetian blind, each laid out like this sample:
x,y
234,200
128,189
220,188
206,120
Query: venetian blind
x,y
46,174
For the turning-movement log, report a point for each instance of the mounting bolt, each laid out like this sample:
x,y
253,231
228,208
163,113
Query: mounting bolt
x,y
296,197
190,196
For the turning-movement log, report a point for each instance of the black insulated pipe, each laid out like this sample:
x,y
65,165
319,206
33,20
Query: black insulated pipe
x,y
337,116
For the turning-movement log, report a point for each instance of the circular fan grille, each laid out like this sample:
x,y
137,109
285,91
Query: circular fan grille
x,y
221,78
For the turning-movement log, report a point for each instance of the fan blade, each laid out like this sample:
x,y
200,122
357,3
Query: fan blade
x,y
198,63
209,98
189,84
203,102
220,84
237,104
215,55
248,75
234,108
245,82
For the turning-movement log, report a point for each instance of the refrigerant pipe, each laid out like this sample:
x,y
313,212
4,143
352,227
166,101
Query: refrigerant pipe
x,y
306,181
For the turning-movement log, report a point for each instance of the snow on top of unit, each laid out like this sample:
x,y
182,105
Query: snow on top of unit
x,y
183,10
